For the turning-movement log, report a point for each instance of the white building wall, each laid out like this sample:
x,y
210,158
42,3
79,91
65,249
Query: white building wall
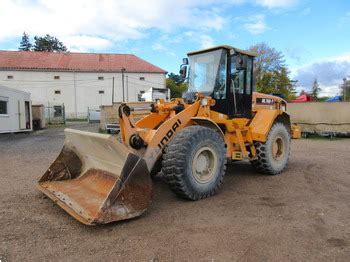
x,y
14,120
80,90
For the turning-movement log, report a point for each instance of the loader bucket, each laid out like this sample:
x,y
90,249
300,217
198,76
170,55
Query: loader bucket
x,y
97,180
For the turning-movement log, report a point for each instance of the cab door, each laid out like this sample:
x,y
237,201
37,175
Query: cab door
x,y
241,86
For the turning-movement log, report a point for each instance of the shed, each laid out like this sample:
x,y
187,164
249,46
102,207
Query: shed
x,y
15,110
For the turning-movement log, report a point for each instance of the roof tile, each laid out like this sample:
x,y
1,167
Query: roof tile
x,y
83,62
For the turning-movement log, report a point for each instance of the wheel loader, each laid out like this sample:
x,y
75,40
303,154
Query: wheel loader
x,y
98,179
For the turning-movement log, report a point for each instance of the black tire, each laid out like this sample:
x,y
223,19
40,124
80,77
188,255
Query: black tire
x,y
193,144
268,161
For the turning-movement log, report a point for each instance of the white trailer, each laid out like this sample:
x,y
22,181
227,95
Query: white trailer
x,y
153,94
15,110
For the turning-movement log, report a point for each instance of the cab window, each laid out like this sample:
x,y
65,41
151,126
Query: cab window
x,y
237,77
241,80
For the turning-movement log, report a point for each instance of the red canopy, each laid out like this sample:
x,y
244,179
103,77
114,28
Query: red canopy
x,y
303,98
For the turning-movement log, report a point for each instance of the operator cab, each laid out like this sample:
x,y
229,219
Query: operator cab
x,y
226,74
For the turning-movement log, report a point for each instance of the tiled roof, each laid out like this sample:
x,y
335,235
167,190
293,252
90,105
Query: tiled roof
x,y
82,62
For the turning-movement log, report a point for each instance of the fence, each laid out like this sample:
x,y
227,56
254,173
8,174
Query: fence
x,y
55,114
321,117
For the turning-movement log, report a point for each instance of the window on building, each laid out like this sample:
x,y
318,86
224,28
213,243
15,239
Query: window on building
x,y
139,96
57,111
101,78
101,91
4,105
142,78
57,92
56,77
9,77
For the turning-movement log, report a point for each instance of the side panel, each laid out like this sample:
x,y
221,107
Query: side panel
x,y
208,123
261,123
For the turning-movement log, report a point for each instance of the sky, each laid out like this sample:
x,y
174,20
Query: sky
x,y
314,36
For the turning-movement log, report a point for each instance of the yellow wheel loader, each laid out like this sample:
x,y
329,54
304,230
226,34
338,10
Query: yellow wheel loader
x,y
99,180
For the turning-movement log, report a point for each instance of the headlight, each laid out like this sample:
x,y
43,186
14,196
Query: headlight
x,y
204,101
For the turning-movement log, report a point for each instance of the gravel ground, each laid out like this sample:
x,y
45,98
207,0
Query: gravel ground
x,y
301,215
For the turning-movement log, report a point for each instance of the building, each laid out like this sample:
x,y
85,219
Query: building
x,y
79,80
345,89
15,110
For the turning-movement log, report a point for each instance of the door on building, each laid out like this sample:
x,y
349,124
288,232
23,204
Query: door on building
x,y
27,116
24,114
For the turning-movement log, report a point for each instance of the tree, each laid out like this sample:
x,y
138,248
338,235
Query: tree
x,y
176,85
177,78
302,92
345,90
25,44
268,59
315,90
272,75
48,44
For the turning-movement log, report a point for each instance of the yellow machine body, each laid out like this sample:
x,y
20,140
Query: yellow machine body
x,y
98,179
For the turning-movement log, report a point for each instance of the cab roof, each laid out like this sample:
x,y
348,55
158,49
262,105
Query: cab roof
x,y
227,47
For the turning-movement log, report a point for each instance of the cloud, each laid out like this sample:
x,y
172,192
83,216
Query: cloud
x,y
161,48
158,46
256,24
107,22
84,43
328,72
277,3
206,41
117,20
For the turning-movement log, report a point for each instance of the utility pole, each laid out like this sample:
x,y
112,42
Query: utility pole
x,y
75,96
344,89
123,70
112,90
127,88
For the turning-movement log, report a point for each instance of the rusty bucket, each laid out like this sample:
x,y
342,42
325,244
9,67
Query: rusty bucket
x,y
97,180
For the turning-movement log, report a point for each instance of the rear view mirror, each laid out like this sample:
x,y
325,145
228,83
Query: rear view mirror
x,y
241,62
183,71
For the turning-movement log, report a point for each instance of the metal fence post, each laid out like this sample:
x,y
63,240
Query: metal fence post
x,y
88,115
64,114
49,113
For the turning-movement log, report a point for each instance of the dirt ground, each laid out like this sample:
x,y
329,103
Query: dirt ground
x,y
301,215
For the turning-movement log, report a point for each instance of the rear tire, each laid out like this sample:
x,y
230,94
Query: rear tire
x,y
273,155
194,162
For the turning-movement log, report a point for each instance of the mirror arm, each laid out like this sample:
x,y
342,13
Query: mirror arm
x,y
234,95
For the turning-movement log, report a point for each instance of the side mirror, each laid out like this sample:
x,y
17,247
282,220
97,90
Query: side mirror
x,y
185,61
241,62
183,71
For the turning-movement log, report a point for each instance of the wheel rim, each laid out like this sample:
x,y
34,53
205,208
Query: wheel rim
x,y
204,165
278,148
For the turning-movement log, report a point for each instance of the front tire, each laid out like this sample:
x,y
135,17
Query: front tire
x,y
273,155
194,162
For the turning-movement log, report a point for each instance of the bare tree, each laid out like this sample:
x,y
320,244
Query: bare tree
x,y
268,59
272,75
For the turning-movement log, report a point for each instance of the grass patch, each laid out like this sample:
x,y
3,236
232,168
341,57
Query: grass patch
x,y
54,125
76,120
